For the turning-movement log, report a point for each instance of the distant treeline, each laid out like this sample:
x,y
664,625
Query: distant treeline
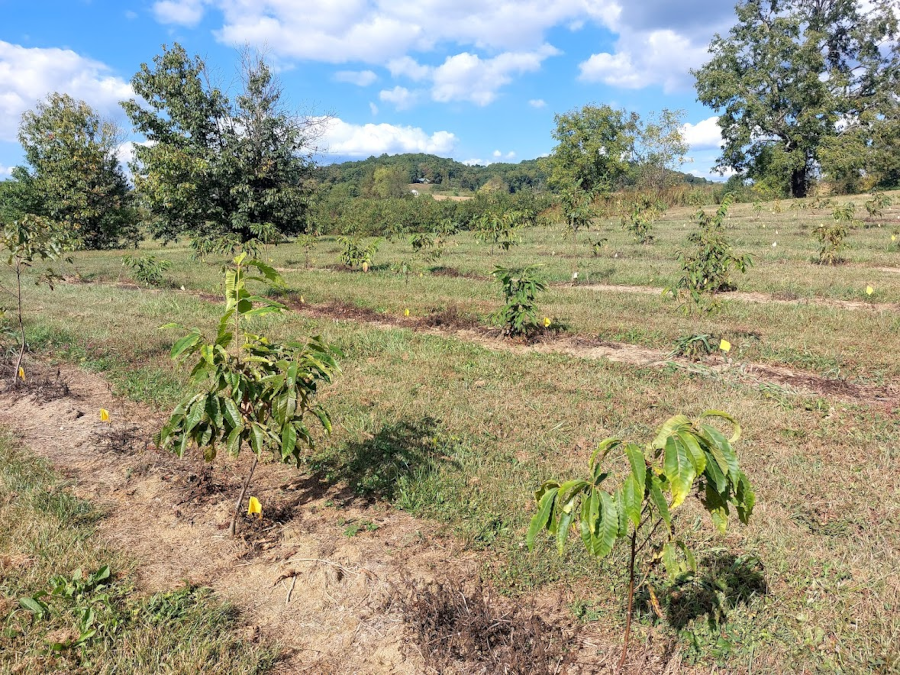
x,y
448,175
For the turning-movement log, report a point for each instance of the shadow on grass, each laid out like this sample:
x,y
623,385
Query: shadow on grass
x,y
724,582
377,466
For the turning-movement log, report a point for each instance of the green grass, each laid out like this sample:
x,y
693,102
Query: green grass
x,y
461,435
46,532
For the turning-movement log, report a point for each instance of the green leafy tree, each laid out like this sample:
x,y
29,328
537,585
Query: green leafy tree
x,y
247,390
660,151
213,166
794,76
148,270
520,288
25,241
639,215
685,458
707,263
74,177
500,229
594,146
831,237
356,254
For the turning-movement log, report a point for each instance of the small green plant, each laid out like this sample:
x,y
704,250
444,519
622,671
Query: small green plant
x,y
267,234
695,346
639,217
578,211
307,243
404,268
245,389
427,247
501,230
831,237
877,204
207,245
685,458
356,254
520,288
83,594
706,266
597,245
757,208
27,240
147,270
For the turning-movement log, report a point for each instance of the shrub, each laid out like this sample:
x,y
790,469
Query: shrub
x,y
520,288
247,390
355,254
148,270
707,264
685,458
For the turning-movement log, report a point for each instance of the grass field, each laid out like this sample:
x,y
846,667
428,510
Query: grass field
x,y
458,432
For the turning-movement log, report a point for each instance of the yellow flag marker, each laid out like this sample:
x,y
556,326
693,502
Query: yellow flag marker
x,y
21,373
725,345
254,507
104,415
547,322
869,290
893,237
406,312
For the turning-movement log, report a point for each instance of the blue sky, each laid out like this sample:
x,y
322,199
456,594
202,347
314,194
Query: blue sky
x,y
468,79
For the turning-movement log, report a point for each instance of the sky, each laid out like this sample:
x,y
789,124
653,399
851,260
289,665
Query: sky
x,y
473,80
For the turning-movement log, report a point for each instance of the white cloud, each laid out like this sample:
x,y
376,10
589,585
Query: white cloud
x,y
467,77
401,97
476,162
537,103
703,135
5,171
373,108
30,74
661,57
180,12
343,138
408,67
361,78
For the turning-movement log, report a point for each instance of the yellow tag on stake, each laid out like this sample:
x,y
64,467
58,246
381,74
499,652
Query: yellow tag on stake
x,y
104,415
254,507
725,345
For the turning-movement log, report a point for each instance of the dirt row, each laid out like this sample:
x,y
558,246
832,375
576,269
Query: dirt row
x,y
343,584
451,323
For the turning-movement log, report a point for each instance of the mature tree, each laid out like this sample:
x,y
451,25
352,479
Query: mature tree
x,y
594,146
213,166
75,177
793,74
660,150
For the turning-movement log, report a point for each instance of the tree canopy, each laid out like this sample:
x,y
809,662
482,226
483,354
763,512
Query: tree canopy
x,y
212,166
73,175
594,146
794,77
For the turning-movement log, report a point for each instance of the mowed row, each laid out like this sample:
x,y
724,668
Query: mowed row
x,y
809,584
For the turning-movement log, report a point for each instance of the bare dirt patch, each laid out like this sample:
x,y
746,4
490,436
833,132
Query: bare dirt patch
x,y
337,603
754,297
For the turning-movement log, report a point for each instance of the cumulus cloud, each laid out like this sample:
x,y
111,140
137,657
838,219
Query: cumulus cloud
x,y
373,108
363,140
5,171
661,57
361,78
179,12
537,103
658,40
30,74
401,97
703,135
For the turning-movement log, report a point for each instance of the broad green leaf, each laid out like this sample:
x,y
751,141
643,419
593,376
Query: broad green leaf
x,y
605,447
719,445
185,343
638,465
694,451
659,500
725,416
633,499
288,441
608,528
669,427
562,530
543,516
678,469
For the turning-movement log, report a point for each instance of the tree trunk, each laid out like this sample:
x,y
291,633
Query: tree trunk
x,y
237,509
630,601
799,183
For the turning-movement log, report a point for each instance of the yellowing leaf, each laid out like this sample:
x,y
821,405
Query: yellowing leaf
x,y
21,373
547,322
869,290
725,345
104,415
254,507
